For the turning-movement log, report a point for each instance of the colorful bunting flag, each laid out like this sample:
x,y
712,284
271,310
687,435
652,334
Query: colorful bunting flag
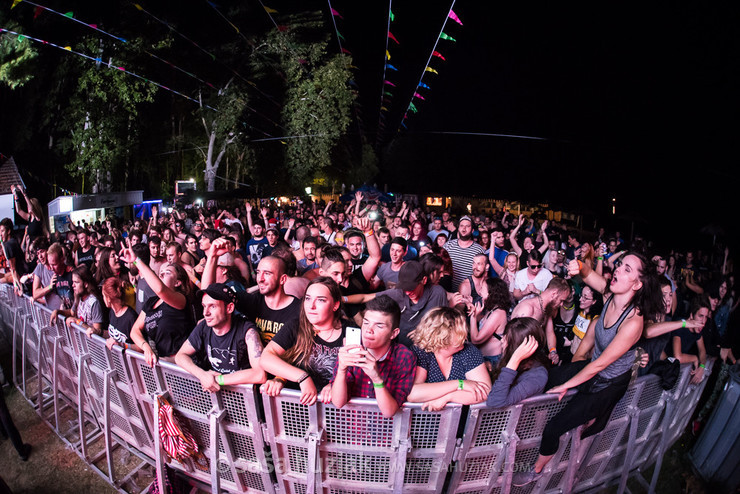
x,y
387,55
447,37
383,108
270,11
346,51
337,14
339,35
15,2
438,54
454,17
391,67
412,107
390,14
390,35
71,15
37,12
417,95
389,83
388,93
429,69
421,84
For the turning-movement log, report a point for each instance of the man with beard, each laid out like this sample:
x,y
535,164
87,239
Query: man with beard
x,y
497,254
230,344
475,284
271,308
541,307
462,251
309,255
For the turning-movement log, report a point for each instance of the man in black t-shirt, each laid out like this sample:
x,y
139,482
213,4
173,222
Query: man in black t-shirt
x,y
230,346
271,308
86,253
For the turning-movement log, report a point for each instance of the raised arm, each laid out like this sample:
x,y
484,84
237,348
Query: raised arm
x,y
23,214
370,267
546,244
588,275
218,247
512,236
169,296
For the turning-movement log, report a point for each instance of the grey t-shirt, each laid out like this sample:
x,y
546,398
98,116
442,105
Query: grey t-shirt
x,y
53,301
433,296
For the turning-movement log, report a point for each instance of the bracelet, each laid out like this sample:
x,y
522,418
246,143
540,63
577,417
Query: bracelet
x,y
135,261
600,258
125,346
460,384
281,380
345,299
379,385
702,366
553,350
683,323
302,378
369,232
220,379
580,265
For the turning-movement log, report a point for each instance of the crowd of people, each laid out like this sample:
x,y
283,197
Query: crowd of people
x,y
394,302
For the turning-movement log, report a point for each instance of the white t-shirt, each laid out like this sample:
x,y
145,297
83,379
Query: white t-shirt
x,y
540,281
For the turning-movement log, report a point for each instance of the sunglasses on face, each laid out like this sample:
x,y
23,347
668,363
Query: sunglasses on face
x,y
535,266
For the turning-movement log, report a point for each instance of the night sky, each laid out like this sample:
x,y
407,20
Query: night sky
x,y
632,100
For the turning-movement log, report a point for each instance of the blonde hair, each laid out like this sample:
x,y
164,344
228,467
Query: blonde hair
x,y
440,328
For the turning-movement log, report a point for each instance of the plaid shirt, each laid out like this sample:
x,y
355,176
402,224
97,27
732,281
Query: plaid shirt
x,y
397,369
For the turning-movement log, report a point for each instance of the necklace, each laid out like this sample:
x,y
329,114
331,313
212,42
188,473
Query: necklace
x,y
331,332
539,299
571,307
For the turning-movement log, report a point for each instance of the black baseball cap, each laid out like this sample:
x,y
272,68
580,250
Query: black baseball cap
x,y
220,291
410,275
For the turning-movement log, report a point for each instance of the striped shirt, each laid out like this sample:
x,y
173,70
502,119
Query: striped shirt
x,y
462,260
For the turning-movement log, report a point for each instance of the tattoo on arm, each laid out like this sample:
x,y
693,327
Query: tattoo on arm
x,y
254,343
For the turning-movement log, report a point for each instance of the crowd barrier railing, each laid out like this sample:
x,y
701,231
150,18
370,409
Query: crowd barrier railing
x,y
254,443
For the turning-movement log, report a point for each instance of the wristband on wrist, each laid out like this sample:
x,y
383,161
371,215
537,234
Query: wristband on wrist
x,y
135,261
281,380
580,265
683,323
379,385
220,379
460,384
302,378
369,232
553,350
345,299
702,366
600,258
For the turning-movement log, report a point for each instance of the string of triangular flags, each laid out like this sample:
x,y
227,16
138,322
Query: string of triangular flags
x,y
386,96
418,94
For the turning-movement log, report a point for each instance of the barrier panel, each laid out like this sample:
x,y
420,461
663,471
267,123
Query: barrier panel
x,y
276,445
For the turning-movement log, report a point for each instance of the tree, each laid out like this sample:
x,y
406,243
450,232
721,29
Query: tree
x,y
316,110
223,125
101,120
16,58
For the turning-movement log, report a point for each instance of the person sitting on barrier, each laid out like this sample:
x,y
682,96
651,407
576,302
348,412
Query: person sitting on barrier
x,y
87,311
690,335
522,370
602,380
448,367
380,367
542,306
121,317
305,353
166,318
228,346
488,320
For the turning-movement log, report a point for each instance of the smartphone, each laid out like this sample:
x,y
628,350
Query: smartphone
x,y
353,337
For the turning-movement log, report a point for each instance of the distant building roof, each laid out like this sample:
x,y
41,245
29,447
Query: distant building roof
x,y
9,176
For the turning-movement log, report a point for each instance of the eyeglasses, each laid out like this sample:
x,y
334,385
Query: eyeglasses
x,y
535,266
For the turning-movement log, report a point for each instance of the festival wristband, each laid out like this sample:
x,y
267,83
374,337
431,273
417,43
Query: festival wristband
x,y
702,366
580,265
460,384
600,258
345,299
302,378
220,379
369,233
553,350
379,385
135,261
683,323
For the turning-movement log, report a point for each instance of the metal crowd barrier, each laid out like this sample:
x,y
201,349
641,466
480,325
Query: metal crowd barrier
x,y
104,404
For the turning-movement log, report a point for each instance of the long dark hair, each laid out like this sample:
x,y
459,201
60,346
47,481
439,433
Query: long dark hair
x,y
648,299
300,352
498,295
516,332
85,275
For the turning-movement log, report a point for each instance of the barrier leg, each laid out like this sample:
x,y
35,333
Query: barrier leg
x,y
215,417
634,414
106,423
